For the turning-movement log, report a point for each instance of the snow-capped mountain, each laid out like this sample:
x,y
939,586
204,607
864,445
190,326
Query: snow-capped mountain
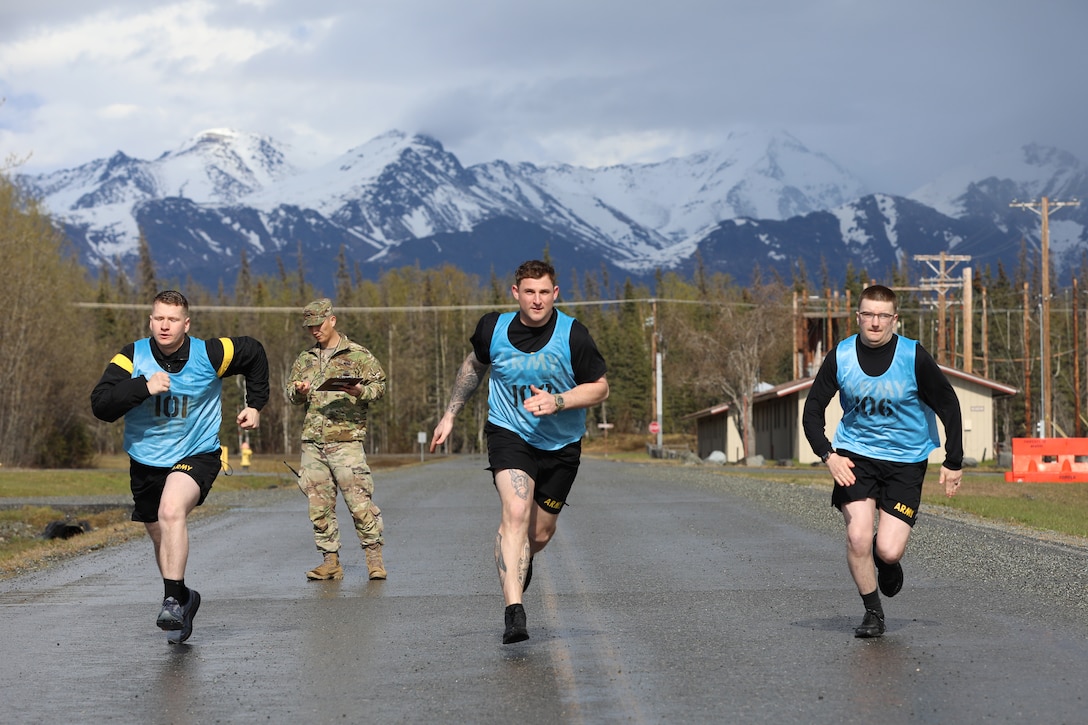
x,y
98,201
984,191
214,167
1027,173
759,199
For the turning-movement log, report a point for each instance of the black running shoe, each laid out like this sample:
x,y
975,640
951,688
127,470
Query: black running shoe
x,y
528,575
516,630
170,616
888,576
871,626
188,613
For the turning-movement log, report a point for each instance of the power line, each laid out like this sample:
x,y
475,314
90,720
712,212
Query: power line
x,y
406,308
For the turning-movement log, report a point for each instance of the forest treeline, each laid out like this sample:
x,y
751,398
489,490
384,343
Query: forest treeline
x,y
719,339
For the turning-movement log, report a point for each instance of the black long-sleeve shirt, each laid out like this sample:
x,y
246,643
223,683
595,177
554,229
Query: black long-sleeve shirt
x,y
117,392
933,389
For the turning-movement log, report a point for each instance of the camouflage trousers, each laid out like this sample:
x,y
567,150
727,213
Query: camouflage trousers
x,y
327,467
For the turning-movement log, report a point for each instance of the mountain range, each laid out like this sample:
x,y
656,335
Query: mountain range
x,y
762,199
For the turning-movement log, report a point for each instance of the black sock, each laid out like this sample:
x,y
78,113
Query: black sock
x,y
176,589
872,601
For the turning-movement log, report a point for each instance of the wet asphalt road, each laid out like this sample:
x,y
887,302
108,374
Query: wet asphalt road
x,y
669,595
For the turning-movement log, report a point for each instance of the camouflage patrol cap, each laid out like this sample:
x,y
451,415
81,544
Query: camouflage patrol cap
x,y
317,312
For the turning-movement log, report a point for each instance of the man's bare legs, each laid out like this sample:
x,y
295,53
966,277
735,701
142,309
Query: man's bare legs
x,y
512,549
861,550
541,529
860,518
170,534
525,529
891,541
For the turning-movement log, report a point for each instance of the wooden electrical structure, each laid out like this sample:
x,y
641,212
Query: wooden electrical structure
x,y
818,323
942,265
1043,209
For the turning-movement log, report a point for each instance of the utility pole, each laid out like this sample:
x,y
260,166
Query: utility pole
x,y
1029,433
1043,209
829,337
941,284
985,336
1076,360
798,343
652,322
968,326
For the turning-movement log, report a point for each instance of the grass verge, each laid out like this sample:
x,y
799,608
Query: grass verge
x,y
1061,508
1053,507
22,547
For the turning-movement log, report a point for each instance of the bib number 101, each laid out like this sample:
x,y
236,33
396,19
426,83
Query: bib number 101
x,y
171,406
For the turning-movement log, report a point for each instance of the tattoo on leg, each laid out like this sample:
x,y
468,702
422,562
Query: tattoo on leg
x,y
520,481
523,564
500,563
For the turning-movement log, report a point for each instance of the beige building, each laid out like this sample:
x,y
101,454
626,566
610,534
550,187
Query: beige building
x,y
778,434
716,430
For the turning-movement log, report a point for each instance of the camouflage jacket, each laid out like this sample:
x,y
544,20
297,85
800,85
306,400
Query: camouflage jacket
x,y
336,416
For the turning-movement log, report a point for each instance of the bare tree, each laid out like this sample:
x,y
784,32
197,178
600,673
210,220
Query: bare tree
x,y
733,342
40,418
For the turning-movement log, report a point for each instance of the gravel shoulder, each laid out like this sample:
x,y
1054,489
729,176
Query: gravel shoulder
x,y
946,544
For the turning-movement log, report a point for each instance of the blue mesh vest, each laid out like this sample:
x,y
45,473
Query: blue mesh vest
x,y
883,417
512,371
181,422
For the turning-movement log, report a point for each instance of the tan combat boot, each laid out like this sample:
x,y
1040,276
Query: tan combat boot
x,y
329,569
374,562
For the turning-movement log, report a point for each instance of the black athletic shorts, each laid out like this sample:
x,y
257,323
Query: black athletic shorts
x,y
553,472
897,487
148,482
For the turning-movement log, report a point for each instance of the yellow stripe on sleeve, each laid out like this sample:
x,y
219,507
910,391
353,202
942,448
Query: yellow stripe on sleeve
x,y
228,355
122,362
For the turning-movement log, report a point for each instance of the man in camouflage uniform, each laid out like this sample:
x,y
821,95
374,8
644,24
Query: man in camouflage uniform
x,y
332,438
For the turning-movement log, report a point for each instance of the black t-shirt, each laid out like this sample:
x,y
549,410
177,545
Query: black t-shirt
x,y
586,360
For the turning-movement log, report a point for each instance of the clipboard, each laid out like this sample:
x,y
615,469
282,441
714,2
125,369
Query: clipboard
x,y
339,384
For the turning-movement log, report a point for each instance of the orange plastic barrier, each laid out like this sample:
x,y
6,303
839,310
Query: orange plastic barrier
x,y
1049,460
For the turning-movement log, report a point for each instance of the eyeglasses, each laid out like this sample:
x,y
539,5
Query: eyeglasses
x,y
882,316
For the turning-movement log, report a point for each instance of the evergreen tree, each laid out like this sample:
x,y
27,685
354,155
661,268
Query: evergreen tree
x,y
303,292
149,286
243,285
800,278
623,342
343,278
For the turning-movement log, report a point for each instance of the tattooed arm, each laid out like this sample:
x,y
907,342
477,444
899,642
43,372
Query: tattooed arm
x,y
468,379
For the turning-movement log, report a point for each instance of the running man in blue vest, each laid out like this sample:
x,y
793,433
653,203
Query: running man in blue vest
x,y
891,391
168,388
545,371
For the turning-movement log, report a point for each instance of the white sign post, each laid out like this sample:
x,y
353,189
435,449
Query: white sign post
x,y
605,427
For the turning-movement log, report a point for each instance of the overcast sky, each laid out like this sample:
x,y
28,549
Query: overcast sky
x,y
896,92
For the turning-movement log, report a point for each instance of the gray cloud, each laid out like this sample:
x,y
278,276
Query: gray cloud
x,y
897,92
